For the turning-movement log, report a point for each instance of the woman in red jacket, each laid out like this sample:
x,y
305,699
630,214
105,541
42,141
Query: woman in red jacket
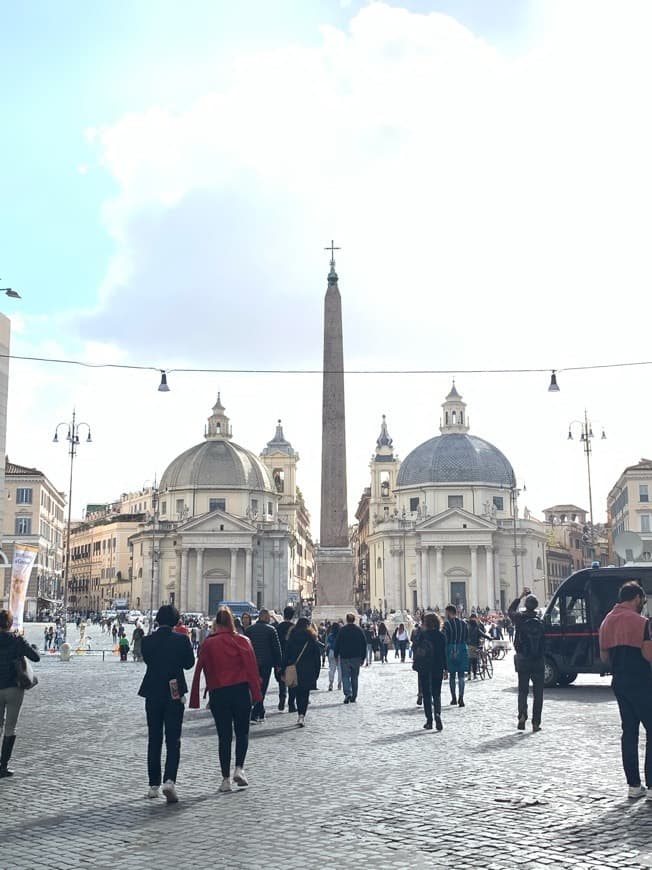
x,y
233,682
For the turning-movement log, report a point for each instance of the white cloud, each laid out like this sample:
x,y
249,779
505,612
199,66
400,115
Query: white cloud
x,y
493,212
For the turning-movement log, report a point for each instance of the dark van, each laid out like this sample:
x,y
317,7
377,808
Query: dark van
x,y
573,617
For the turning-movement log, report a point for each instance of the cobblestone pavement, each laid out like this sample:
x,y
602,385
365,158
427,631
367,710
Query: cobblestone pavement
x,y
361,785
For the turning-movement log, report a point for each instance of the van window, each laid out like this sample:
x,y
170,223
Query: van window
x,y
575,610
555,613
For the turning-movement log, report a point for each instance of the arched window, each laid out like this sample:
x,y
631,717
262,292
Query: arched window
x,y
454,417
461,417
539,563
379,562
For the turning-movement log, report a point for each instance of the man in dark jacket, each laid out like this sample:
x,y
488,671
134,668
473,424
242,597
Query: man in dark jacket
x,y
283,629
267,649
529,659
351,650
166,655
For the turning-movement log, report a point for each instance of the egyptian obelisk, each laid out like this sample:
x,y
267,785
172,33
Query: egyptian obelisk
x,y
333,558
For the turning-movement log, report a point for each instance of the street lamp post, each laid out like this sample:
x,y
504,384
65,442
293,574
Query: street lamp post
x,y
151,585
586,436
72,438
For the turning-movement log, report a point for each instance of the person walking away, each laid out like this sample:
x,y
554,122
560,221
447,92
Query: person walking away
x,y
267,649
302,649
457,653
12,648
351,650
383,642
46,639
233,681
369,640
166,654
123,647
333,664
414,639
114,633
429,661
321,638
283,629
395,642
529,659
626,647
194,638
476,632
401,639
137,642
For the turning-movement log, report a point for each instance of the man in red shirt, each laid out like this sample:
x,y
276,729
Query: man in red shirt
x,y
626,647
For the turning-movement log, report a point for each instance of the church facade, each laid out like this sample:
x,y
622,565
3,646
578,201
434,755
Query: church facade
x,y
229,526
444,526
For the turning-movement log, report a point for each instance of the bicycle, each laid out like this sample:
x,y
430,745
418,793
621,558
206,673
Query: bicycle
x,y
485,663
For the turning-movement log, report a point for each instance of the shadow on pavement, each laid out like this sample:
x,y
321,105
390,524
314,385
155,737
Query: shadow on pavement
x,y
399,738
507,741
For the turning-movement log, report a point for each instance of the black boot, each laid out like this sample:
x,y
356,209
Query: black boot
x,y
5,755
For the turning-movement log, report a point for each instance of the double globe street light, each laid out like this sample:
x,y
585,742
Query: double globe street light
x,y
586,437
72,438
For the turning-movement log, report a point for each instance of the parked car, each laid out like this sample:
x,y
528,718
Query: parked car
x,y
134,616
239,607
572,620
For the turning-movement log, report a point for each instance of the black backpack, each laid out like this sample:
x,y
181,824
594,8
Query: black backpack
x,y
423,654
531,638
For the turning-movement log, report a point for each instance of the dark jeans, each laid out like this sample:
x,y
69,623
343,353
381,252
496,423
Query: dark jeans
x,y
530,669
258,710
635,705
163,715
350,674
283,693
460,681
402,645
302,696
230,707
383,651
430,688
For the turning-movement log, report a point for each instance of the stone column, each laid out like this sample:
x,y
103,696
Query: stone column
x,y
425,574
177,582
419,552
183,592
397,581
232,590
474,599
249,579
490,577
440,591
200,592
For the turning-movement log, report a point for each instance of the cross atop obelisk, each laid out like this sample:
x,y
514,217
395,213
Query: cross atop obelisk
x,y
334,573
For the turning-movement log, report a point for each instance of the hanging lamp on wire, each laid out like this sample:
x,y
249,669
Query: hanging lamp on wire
x,y
163,386
554,386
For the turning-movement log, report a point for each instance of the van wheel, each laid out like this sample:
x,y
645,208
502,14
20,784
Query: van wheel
x,y
567,679
550,674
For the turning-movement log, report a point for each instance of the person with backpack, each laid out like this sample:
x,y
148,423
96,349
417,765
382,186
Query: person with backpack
x,y
457,653
429,661
529,660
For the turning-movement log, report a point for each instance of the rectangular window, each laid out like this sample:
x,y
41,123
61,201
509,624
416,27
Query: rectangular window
x,y
414,504
217,504
23,495
642,493
254,506
179,505
23,525
645,522
499,503
270,508
455,501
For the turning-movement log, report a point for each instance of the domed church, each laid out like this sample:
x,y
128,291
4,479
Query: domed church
x,y
230,525
442,524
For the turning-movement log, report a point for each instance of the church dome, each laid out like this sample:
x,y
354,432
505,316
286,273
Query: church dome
x,y
217,463
456,458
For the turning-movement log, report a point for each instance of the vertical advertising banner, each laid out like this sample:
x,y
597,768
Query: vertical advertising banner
x,y
24,556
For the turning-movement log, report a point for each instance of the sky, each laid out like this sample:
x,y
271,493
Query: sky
x,y
171,174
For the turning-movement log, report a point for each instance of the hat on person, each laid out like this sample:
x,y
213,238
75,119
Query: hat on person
x,y
531,602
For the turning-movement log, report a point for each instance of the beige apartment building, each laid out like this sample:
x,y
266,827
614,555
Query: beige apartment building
x,y
34,514
630,510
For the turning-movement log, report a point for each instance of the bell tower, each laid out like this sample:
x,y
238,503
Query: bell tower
x,y
281,458
384,467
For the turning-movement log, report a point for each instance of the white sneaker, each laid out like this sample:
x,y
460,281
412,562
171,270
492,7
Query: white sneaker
x,y
300,721
153,792
239,777
226,785
170,792
637,791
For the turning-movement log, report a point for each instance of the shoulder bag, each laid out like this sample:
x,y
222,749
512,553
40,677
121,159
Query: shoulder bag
x,y
291,677
25,676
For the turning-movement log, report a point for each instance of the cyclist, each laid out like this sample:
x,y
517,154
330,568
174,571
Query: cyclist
x,y
476,633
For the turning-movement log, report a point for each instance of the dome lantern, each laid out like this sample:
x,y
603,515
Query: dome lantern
x,y
454,417
218,426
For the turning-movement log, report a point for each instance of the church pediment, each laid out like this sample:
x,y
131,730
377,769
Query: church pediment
x,y
455,519
216,521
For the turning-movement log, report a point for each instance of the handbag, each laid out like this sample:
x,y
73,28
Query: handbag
x,y
25,676
291,677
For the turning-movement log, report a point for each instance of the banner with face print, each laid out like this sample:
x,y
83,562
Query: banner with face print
x,y
21,569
